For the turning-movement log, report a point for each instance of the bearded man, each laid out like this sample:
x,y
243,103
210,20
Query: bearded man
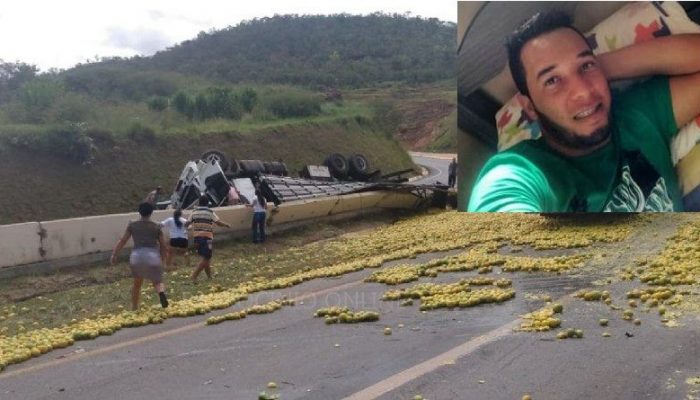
x,y
599,150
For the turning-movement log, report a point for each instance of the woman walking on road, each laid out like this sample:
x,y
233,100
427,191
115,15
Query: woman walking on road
x,y
178,237
146,256
259,206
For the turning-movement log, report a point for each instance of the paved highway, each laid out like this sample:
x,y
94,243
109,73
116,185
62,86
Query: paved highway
x,y
435,164
470,353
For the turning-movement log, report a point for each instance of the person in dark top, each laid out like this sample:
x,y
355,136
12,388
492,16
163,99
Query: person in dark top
x,y
146,260
452,173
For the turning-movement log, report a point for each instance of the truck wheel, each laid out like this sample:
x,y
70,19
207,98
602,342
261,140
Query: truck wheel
x,y
359,166
338,165
275,168
251,168
211,155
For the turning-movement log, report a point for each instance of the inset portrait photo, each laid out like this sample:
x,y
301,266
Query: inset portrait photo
x,y
568,107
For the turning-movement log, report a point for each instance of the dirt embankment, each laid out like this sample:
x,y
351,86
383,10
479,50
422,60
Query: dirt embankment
x,y
422,121
40,187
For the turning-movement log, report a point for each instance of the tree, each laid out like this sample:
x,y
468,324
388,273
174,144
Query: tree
x,y
158,103
249,98
37,96
183,104
13,76
201,107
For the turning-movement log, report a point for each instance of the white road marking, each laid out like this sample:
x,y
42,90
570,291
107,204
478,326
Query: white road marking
x,y
446,358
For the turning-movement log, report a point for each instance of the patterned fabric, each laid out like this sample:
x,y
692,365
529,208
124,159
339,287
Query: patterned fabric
x,y
634,23
203,219
514,125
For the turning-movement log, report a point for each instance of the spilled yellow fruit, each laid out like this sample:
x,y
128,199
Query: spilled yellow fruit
x,y
344,315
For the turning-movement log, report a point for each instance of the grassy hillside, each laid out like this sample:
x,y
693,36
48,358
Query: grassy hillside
x,y
45,186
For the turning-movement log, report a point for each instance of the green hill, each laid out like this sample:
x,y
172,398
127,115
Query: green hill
x,y
312,50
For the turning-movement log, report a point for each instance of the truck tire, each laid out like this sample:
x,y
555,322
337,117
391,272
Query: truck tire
x,y
275,168
338,165
359,166
267,168
251,168
211,155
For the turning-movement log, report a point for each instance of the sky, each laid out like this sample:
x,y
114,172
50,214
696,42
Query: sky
x,y
60,34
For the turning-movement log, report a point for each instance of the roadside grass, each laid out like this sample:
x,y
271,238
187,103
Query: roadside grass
x,y
330,112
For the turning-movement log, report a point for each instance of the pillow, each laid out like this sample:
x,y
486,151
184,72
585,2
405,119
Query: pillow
x,y
639,22
514,125
633,23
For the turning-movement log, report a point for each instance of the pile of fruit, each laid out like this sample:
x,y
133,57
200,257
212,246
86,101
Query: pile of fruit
x,y
344,315
542,320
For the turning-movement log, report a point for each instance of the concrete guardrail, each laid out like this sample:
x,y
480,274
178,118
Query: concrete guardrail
x,y
53,244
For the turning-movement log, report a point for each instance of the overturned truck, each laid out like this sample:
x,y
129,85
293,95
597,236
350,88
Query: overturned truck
x,y
228,181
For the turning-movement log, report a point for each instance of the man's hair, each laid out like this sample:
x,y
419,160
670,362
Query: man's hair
x,y
537,25
145,209
176,218
203,200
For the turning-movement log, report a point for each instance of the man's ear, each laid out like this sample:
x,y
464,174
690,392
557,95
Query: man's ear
x,y
527,106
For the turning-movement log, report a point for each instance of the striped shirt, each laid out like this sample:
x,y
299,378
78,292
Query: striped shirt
x,y
202,222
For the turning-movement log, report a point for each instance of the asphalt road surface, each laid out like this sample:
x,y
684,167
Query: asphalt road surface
x,y
435,164
470,353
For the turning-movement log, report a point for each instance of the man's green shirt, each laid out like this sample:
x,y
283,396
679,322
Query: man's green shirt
x,y
632,173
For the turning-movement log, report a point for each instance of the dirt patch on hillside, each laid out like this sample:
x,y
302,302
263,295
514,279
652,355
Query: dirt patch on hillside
x,y
422,121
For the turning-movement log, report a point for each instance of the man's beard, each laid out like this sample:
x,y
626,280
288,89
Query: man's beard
x,y
569,139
